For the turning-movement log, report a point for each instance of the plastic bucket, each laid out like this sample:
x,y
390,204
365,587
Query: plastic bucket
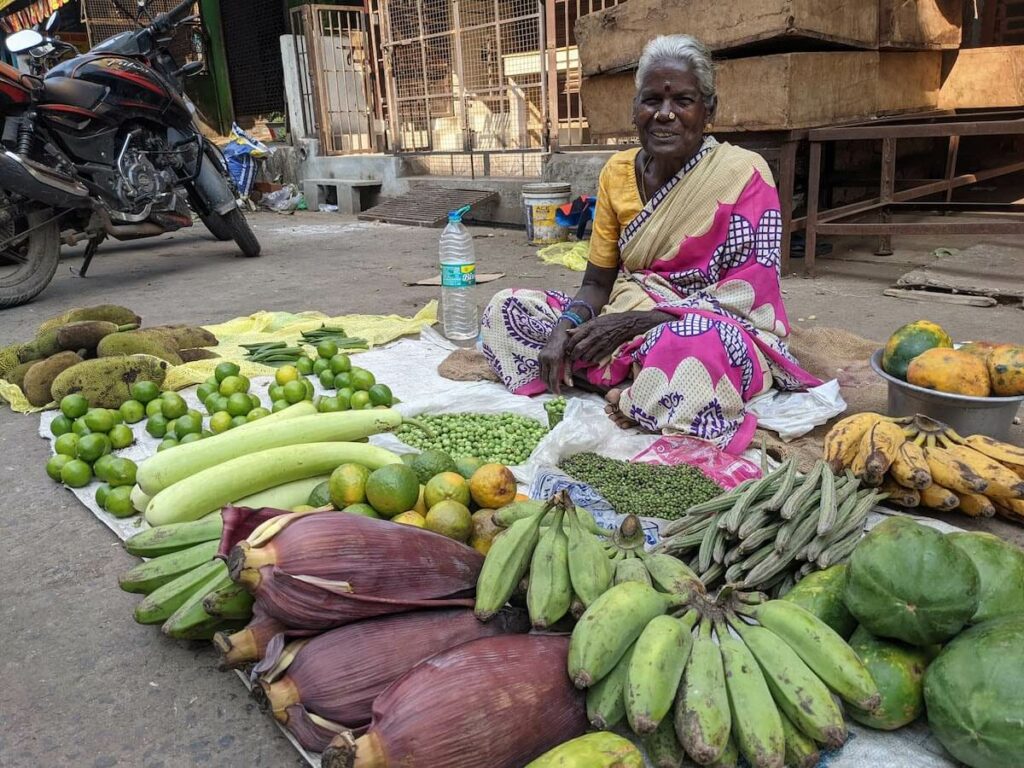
x,y
540,204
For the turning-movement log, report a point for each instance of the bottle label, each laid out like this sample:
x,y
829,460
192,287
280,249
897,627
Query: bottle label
x,y
458,275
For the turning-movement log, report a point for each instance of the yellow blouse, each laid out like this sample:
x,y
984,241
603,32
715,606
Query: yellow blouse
x,y
618,203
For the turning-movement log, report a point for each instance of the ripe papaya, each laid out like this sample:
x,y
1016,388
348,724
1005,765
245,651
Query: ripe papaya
x,y
1006,370
909,342
898,670
950,370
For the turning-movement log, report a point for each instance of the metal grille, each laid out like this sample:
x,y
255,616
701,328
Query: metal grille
x,y
252,32
103,20
569,121
464,76
334,53
1003,22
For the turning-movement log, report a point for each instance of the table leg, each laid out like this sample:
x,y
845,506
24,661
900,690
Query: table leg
x,y
813,192
886,189
951,158
787,183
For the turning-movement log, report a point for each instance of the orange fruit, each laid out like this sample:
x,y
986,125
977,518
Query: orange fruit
x,y
451,519
447,486
484,531
410,518
493,486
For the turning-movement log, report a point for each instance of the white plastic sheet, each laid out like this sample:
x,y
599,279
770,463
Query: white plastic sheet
x,y
794,414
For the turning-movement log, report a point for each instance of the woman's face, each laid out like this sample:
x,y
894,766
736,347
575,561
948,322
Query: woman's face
x,y
669,112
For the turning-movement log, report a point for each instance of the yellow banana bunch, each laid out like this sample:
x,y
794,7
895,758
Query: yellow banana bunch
x,y
931,465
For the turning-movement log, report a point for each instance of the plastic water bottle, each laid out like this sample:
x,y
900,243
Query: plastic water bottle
x,y
459,317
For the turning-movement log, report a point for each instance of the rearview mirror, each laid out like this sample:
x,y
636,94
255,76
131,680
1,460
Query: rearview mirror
x,y
24,40
191,69
53,23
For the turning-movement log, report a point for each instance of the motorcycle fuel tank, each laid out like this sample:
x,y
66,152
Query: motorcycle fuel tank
x,y
12,92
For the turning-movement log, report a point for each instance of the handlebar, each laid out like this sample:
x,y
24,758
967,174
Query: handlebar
x,y
165,22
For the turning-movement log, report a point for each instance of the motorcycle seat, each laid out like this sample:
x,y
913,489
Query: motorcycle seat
x,y
74,93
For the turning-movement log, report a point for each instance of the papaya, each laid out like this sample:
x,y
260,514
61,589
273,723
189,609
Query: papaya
x,y
908,582
898,671
1006,370
981,349
909,342
974,694
950,370
1000,569
821,593
594,750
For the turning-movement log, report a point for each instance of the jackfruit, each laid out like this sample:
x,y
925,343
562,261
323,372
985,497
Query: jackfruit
x,y
41,375
112,313
44,345
86,334
196,353
105,382
8,359
144,342
16,375
186,336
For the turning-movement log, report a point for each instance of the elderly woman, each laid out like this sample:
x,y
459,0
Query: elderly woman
x,y
679,320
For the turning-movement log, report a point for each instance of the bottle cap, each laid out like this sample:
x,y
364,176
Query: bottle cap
x,y
456,216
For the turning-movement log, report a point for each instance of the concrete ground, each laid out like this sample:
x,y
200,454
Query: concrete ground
x,y
82,684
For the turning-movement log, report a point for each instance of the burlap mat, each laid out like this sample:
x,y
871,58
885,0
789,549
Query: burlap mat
x,y
828,353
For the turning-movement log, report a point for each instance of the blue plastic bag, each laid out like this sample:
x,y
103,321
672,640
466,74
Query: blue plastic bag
x,y
241,153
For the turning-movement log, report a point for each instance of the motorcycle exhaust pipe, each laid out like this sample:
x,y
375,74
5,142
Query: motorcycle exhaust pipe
x,y
128,231
37,182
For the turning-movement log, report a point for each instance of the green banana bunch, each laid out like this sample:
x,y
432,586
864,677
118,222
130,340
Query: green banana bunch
x,y
506,563
660,655
632,569
606,700
146,577
589,568
801,751
158,605
550,593
703,718
662,746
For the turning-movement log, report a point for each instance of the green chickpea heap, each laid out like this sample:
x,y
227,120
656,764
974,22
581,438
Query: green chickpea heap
x,y
648,490
504,438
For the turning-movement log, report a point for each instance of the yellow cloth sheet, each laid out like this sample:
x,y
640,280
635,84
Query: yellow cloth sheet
x,y
264,327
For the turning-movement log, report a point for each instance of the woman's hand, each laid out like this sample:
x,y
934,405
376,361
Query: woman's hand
x,y
554,359
596,339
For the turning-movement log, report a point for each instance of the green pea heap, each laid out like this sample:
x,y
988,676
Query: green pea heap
x,y
648,490
504,438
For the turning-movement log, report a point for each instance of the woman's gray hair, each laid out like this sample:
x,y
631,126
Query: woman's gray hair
x,y
687,51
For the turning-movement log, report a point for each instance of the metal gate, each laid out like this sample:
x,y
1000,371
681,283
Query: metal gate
x,y
106,18
465,76
334,56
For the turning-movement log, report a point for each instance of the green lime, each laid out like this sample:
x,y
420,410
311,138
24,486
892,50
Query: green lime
x,y
60,426
115,414
91,447
304,365
362,379
189,424
132,411
67,444
257,413
55,465
276,392
169,442
321,365
144,391
191,437
295,392
343,380
172,428
101,465
237,421
157,425
329,405
76,474
233,384
239,404
380,394
359,400
223,370
74,406
216,402
205,434
203,391
327,349
211,381
348,485
101,494
155,408
119,502
392,489
286,373
121,472
326,379
431,462
255,400
361,509
121,436
220,422
467,465
80,428
174,405
310,389
344,395
279,405
99,420
321,495
341,364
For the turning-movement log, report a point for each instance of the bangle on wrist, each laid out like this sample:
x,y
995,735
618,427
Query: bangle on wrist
x,y
584,304
573,318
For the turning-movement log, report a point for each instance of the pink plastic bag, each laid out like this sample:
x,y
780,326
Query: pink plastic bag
x,y
724,468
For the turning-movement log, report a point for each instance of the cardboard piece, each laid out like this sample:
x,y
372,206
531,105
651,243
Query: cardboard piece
x,y
920,25
984,77
612,39
487,277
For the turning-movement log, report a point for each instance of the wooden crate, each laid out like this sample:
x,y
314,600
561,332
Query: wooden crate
x,y
920,25
613,39
984,77
908,81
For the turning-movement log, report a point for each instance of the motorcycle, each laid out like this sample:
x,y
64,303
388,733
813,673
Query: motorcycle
x,y
101,145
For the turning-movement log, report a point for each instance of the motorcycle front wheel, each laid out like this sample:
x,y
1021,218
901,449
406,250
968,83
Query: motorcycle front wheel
x,y
27,264
233,226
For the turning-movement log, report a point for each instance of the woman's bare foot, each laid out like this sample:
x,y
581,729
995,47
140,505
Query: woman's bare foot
x,y
612,409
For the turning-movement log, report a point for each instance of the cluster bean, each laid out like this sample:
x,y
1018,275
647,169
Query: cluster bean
x,y
649,490
505,438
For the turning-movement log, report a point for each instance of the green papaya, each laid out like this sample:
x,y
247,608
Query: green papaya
x,y
821,593
1000,568
974,694
898,670
908,582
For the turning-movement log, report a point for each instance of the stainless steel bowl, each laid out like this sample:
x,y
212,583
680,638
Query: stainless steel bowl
x,y
990,416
